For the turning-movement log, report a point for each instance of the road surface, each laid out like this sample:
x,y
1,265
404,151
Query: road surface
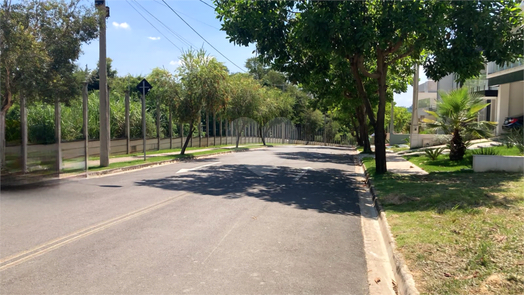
x,y
281,220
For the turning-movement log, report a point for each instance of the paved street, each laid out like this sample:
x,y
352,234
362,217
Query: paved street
x,y
281,220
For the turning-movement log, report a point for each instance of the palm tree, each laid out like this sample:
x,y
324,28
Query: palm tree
x,y
457,115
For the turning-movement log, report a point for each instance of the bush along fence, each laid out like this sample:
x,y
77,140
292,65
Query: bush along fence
x,y
32,132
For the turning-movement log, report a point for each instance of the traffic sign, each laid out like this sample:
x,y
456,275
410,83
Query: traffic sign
x,y
144,85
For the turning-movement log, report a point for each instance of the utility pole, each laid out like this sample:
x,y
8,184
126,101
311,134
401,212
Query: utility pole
x,y
144,87
414,111
105,138
392,120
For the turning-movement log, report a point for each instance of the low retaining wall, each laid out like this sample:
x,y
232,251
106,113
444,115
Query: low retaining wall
x,y
485,163
398,139
423,140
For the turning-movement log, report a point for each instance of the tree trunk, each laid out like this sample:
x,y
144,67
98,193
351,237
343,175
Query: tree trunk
x,y
380,134
457,148
23,128
170,131
221,130
7,102
58,136
362,92
239,131
261,130
158,123
189,136
356,132
2,139
363,129
214,129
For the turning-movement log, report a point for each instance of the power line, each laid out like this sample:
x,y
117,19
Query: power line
x,y
187,15
201,36
179,37
153,26
207,4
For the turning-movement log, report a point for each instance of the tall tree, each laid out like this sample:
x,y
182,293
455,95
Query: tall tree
x,y
377,38
245,100
40,41
274,104
94,78
203,81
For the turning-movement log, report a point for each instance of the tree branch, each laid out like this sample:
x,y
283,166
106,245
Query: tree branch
x,y
408,52
360,64
394,48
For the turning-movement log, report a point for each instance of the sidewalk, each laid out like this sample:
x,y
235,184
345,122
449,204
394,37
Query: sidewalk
x,y
398,165
93,163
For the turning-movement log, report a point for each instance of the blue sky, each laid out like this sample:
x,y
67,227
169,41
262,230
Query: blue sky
x,y
136,47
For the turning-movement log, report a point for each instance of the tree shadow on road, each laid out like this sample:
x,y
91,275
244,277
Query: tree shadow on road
x,y
318,157
324,190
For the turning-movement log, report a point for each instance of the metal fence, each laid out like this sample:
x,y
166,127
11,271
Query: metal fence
x,y
32,133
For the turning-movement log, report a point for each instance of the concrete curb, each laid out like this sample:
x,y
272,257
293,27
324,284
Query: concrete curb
x,y
50,181
403,277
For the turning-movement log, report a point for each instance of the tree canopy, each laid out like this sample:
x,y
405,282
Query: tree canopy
x,y
374,39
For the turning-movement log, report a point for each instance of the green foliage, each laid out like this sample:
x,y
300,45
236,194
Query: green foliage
x,y
457,114
203,84
94,77
434,153
45,39
515,137
402,118
313,121
485,151
316,43
41,124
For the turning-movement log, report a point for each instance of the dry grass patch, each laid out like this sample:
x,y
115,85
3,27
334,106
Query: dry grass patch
x,y
461,233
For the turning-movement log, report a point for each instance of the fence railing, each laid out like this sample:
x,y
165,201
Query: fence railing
x,y
43,157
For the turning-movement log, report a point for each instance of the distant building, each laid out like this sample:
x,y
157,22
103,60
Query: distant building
x,y
427,99
505,91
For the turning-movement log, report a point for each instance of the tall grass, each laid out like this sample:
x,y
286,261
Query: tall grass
x,y
41,120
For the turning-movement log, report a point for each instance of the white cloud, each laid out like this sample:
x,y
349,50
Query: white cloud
x,y
175,63
154,38
121,25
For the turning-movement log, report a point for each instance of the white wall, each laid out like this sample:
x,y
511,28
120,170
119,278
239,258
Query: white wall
x,y
446,84
516,99
510,102
502,106
484,163
423,140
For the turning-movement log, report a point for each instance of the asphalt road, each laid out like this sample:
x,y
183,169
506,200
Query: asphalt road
x,y
283,220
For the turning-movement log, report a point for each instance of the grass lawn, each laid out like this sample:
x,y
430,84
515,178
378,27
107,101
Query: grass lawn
x,y
460,232
162,158
167,151
398,149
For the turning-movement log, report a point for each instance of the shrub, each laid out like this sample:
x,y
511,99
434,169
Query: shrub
x,y
434,153
515,137
485,151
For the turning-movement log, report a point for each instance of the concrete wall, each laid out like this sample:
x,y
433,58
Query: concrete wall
x,y
484,163
510,102
423,140
75,149
398,139
516,99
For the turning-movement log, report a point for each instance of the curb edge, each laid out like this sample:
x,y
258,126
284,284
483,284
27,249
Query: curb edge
x,y
403,276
